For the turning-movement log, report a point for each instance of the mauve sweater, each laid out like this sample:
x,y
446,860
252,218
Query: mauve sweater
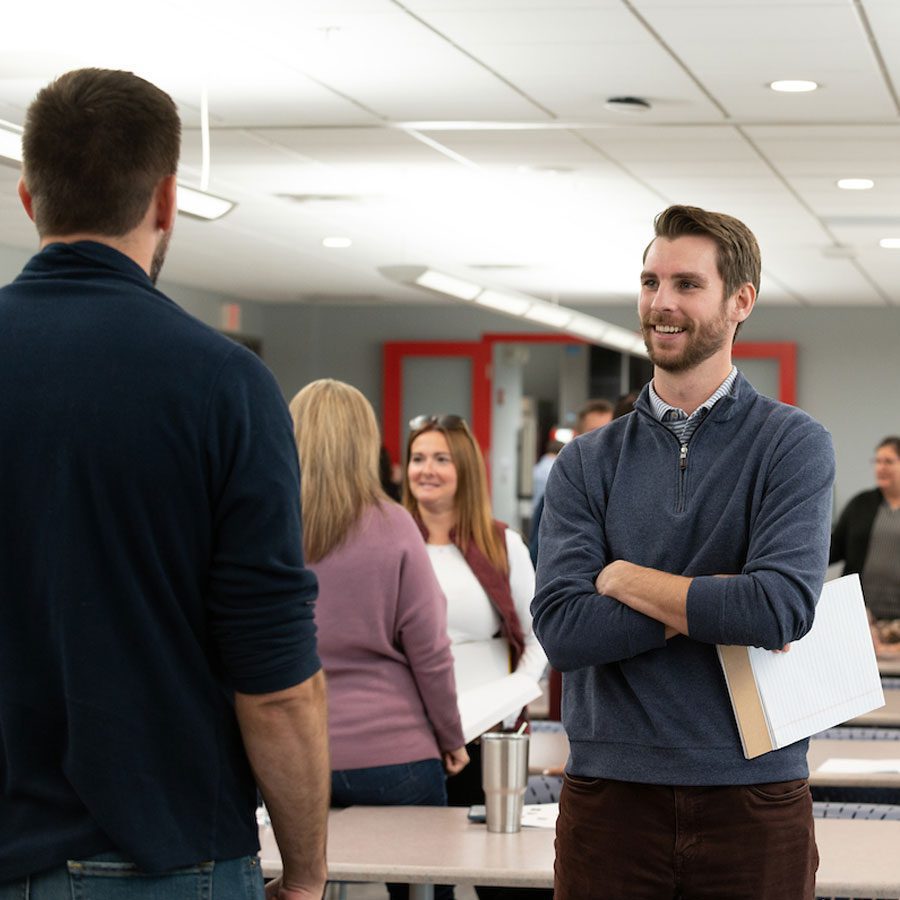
x,y
382,627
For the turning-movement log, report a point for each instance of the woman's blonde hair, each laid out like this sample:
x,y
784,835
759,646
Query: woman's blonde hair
x,y
338,444
474,521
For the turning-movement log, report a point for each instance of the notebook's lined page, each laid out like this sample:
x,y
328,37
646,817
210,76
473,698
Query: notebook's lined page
x,y
827,677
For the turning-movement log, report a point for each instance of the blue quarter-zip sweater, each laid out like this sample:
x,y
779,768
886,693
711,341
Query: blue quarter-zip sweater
x,y
750,498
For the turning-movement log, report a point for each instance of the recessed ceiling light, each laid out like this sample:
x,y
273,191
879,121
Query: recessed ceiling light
x,y
337,243
793,86
855,184
890,243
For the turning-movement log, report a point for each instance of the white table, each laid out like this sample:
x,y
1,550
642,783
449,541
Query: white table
x,y
821,749
886,717
424,846
889,665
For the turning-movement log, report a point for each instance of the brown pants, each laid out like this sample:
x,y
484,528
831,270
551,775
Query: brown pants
x,y
618,840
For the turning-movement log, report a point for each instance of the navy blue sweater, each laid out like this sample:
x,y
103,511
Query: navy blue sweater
x,y
150,565
754,500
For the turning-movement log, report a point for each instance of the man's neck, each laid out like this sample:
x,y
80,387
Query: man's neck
x,y
688,390
131,245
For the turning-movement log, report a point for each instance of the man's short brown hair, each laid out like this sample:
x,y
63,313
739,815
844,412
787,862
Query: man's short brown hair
x,y
97,142
738,258
599,406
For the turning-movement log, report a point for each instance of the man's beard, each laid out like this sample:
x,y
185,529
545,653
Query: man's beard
x,y
701,342
159,255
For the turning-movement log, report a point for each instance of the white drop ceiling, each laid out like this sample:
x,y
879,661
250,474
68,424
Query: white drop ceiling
x,y
471,136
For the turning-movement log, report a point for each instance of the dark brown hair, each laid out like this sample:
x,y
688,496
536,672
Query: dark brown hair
x,y
892,441
97,143
738,258
592,406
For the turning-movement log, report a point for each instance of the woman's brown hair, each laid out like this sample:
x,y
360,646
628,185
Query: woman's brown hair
x,y
474,521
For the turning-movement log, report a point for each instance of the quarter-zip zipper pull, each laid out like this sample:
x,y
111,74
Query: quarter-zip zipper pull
x,y
682,462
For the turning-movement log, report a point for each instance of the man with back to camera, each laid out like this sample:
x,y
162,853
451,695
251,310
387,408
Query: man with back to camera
x,y
708,478
156,631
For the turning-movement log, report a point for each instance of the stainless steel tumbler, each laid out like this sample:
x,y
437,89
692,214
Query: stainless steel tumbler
x,y
504,770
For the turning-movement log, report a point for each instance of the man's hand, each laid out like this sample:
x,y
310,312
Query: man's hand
x,y
608,581
286,737
656,594
275,890
455,760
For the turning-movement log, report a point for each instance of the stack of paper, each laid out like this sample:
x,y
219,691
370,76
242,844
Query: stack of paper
x,y
827,677
486,691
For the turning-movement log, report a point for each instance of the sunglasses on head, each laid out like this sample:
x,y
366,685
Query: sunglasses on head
x,y
417,423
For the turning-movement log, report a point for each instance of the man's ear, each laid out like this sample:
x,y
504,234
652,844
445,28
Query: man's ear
x,y
165,203
744,299
25,197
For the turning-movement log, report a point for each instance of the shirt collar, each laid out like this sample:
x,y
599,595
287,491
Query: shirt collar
x,y
663,410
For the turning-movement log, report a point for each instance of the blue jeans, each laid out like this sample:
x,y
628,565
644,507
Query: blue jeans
x,y
419,783
108,876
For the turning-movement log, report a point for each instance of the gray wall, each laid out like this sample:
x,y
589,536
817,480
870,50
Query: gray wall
x,y
847,367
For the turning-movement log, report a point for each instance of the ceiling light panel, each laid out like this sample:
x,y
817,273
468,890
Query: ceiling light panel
x,y
506,303
448,284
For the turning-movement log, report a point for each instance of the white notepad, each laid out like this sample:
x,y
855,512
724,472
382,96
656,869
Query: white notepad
x,y
827,677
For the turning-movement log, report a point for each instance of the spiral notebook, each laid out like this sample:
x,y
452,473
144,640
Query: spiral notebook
x,y
827,677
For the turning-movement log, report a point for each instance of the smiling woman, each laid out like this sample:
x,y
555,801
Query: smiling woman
x,y
483,567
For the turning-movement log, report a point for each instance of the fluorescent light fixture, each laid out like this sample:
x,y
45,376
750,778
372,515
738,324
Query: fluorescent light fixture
x,y
855,184
620,339
507,303
10,141
337,243
890,243
201,205
588,327
520,306
795,86
448,284
548,314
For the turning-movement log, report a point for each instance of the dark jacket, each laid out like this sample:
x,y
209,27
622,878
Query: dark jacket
x,y
850,538
150,565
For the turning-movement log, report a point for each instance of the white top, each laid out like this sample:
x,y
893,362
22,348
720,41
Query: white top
x,y
470,614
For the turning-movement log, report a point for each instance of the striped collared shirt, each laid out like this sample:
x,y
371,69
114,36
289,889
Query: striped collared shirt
x,y
677,420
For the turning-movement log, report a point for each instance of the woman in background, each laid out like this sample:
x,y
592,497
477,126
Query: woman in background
x,y
867,539
393,722
483,567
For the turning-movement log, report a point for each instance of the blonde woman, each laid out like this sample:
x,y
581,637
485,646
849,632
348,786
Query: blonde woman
x,y
393,724
483,567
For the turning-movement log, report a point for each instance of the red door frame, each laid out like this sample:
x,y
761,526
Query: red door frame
x,y
785,354
392,388
481,354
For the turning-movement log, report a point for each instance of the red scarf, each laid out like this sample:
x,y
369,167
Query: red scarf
x,y
495,584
